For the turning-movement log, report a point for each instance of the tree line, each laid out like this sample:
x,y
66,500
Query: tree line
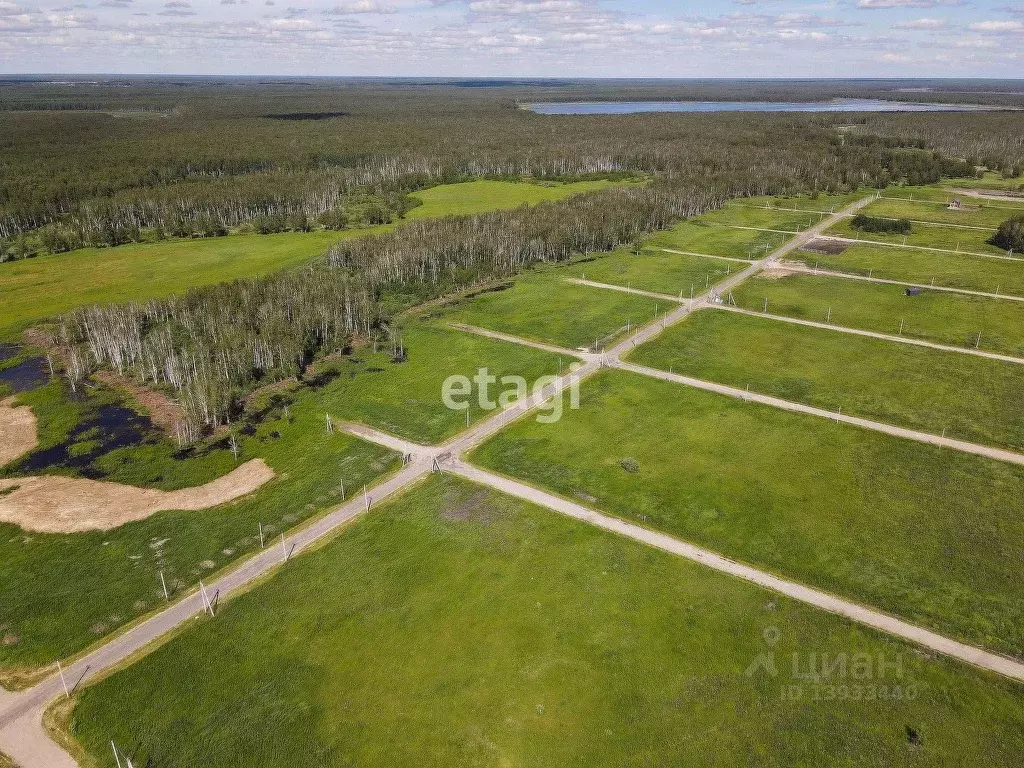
x,y
214,344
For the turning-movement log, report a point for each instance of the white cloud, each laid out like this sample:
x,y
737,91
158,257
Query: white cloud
x,y
998,26
874,4
360,6
922,24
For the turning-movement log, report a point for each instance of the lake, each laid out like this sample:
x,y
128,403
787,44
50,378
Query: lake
x,y
837,105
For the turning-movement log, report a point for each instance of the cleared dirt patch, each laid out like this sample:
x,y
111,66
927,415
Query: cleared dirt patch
x,y
17,431
777,271
826,246
52,504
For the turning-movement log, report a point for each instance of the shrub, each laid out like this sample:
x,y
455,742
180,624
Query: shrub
x,y
881,226
1010,235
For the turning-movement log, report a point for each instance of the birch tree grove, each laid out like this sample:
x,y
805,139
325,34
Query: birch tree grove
x,y
214,344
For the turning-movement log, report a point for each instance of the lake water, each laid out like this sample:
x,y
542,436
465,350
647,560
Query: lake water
x,y
838,105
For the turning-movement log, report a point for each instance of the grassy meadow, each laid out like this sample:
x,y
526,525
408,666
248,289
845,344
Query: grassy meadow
x,y
930,535
975,213
694,237
485,195
740,215
937,316
541,306
405,399
972,273
454,626
656,271
930,390
822,203
38,288
946,238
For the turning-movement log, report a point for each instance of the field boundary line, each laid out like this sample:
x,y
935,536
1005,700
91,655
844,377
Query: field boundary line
x,y
871,334
855,612
625,289
935,223
965,193
541,345
753,229
929,248
736,259
963,446
795,266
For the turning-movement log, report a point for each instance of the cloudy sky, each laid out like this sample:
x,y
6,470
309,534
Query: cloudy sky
x,y
600,38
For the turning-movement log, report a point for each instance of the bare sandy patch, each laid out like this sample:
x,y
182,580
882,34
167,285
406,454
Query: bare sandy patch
x,y
53,504
17,431
778,271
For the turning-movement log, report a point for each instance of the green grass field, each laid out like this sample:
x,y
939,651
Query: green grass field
x,y
946,238
973,273
405,399
823,203
61,592
946,318
34,289
975,213
484,195
933,536
718,241
739,215
657,271
543,307
456,627
931,390
990,181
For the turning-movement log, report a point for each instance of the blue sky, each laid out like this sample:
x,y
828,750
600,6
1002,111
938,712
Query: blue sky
x,y
584,38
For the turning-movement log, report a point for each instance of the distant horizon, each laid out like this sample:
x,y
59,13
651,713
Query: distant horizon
x,y
577,38
514,78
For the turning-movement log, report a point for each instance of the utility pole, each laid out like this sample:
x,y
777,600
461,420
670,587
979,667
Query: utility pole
x,y
63,682
163,583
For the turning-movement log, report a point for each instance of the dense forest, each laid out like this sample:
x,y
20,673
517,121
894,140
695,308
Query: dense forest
x,y
108,163
102,164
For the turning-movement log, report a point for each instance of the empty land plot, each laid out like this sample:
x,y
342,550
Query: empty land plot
x,y
973,213
718,241
972,273
760,218
971,398
657,271
543,637
543,307
938,236
948,190
945,318
404,398
823,203
933,536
